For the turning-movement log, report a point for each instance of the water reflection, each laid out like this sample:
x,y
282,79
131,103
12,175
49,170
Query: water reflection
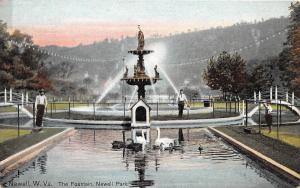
x,y
140,161
42,164
140,167
39,164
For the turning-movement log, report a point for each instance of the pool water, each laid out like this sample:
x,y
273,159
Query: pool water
x,y
87,159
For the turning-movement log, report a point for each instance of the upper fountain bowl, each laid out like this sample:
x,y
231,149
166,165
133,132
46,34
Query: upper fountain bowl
x,y
140,52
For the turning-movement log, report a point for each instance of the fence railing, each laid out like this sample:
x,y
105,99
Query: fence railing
x,y
24,114
282,113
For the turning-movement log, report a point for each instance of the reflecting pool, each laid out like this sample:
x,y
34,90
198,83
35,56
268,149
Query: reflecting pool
x,y
87,159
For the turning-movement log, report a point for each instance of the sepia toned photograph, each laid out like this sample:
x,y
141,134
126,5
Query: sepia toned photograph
x,y
149,93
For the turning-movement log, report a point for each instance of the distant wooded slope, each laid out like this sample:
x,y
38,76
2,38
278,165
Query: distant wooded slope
x,y
182,48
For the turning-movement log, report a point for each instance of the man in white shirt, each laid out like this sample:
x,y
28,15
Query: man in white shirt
x,y
40,106
181,100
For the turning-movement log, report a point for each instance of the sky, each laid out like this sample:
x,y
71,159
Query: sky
x,y
74,22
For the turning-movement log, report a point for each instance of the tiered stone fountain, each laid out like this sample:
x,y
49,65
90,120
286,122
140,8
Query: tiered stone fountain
x,y
140,78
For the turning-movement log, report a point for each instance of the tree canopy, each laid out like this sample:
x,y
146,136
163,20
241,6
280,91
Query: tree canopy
x,y
21,67
259,79
226,73
290,56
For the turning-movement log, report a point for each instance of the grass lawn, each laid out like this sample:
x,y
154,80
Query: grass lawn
x,y
286,137
12,146
6,134
63,105
274,107
222,105
7,109
217,105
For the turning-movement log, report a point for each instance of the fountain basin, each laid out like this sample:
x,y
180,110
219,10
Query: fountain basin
x,y
140,52
145,80
117,111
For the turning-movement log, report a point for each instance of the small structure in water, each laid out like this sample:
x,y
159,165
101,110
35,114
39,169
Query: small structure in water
x,y
139,128
140,122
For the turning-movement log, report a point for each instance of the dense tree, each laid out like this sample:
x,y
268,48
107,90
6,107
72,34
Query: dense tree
x,y
290,56
191,92
6,75
113,95
226,73
82,92
21,67
61,70
87,81
68,88
294,39
261,74
170,91
259,79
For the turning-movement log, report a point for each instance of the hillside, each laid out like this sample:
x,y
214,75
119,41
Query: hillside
x,y
182,48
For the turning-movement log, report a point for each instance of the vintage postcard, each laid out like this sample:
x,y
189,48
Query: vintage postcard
x,y
149,93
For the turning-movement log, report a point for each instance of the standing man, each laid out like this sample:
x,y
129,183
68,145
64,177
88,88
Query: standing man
x,y
181,100
268,115
40,106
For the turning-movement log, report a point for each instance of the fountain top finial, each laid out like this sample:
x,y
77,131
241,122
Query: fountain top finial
x,y
141,43
141,40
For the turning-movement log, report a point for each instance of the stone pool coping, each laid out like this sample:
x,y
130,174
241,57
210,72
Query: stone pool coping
x,y
192,123
78,110
14,161
282,170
